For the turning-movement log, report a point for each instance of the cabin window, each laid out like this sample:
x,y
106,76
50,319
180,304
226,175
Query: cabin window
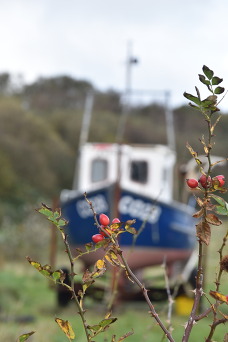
x,y
139,171
99,170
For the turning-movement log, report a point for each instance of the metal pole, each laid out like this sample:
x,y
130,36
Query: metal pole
x,y
84,132
169,122
127,93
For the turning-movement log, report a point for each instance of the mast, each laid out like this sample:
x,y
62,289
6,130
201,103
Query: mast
x,y
170,131
84,132
130,61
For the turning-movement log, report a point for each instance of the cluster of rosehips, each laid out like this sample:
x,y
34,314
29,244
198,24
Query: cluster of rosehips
x,y
104,223
206,182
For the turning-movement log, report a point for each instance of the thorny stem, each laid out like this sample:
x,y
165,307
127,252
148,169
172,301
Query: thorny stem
x,y
201,261
170,298
72,274
134,278
145,294
216,321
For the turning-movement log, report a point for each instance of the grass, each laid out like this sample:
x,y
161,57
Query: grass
x,y
28,303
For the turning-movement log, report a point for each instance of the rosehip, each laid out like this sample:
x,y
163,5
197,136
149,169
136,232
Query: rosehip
x,y
97,238
205,181
115,220
221,180
192,183
104,220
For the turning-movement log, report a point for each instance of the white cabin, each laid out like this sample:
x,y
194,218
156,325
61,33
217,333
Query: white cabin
x,y
142,169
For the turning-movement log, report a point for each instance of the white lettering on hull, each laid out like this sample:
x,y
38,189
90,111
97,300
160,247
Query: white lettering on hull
x,y
99,203
136,208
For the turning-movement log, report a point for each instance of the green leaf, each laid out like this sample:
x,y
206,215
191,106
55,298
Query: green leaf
x,y
106,322
209,73
192,98
24,337
219,90
221,210
220,200
216,80
56,275
206,82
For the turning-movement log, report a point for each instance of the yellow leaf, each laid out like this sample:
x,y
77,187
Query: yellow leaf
x,y
100,264
66,328
219,296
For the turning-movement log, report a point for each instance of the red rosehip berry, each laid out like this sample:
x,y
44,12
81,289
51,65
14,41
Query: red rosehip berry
x,y
116,220
97,238
192,183
104,220
221,180
205,181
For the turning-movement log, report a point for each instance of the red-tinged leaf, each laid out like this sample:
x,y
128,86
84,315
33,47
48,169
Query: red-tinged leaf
x,y
213,219
24,337
198,213
219,296
203,232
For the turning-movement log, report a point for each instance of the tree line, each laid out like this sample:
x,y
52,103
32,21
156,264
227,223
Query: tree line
x,y
40,126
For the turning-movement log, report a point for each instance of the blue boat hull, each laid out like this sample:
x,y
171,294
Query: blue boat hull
x,y
167,226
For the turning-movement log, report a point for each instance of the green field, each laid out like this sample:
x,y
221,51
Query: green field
x,y
28,303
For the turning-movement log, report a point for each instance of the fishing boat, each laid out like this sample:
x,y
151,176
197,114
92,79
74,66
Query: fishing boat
x,y
131,181
143,176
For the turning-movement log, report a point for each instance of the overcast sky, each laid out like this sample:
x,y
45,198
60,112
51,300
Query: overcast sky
x,y
87,39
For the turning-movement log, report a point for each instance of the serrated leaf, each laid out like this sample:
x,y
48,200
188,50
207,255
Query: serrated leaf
x,y
208,72
216,80
24,337
219,90
219,296
213,219
192,98
65,327
203,232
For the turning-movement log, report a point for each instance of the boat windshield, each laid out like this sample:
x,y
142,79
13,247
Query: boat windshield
x,y
139,171
99,170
